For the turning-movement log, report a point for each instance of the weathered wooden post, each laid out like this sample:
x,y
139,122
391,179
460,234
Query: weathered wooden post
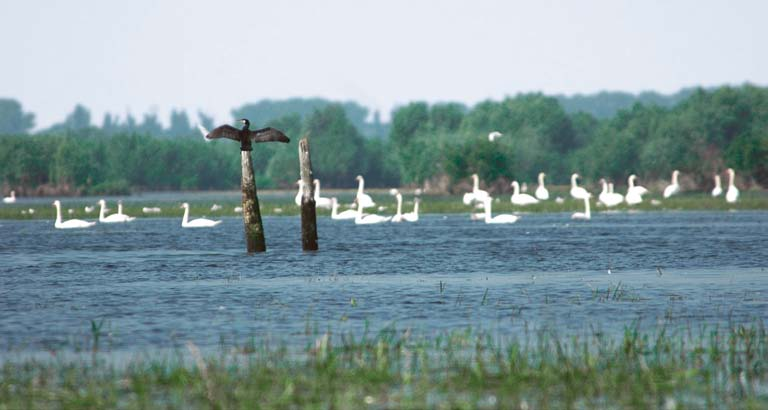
x,y
254,230
308,206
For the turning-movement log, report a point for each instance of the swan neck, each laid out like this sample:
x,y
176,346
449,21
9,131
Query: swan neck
x,y
58,213
515,189
586,207
399,205
186,216
334,209
101,211
674,178
605,187
731,176
416,207
360,186
475,183
487,209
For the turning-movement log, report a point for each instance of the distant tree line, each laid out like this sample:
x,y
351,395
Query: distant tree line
x,y
438,144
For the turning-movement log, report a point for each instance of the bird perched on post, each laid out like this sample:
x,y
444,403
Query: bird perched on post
x,y
244,135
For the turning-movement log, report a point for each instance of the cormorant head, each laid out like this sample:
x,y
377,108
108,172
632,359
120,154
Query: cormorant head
x,y
245,122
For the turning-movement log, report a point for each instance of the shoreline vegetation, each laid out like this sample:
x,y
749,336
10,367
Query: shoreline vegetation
x,y
665,367
280,203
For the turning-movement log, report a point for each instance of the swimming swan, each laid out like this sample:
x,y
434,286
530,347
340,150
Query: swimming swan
x,y
10,199
674,187
70,224
732,195
398,217
348,214
120,212
368,219
584,216
542,193
578,192
297,199
718,189
321,202
414,215
114,218
498,219
493,135
521,199
195,223
362,198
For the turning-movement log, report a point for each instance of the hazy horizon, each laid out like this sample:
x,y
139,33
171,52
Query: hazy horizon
x,y
146,57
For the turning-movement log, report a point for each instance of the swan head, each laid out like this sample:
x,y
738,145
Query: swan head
x,y
675,173
184,205
515,184
573,177
102,202
542,175
493,135
56,203
632,178
316,182
359,178
399,196
730,171
394,192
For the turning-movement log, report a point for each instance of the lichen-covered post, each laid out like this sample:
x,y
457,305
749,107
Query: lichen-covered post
x,y
254,230
308,209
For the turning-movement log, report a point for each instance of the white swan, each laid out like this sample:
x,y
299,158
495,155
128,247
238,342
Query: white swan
x,y
634,193
70,224
641,190
584,216
368,219
414,215
195,223
542,193
114,218
238,209
151,210
498,219
718,189
477,194
732,195
10,199
578,192
215,207
321,202
607,197
674,187
120,212
348,214
493,135
398,217
89,208
521,199
362,198
297,199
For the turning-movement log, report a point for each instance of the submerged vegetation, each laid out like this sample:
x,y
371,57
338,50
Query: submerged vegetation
x,y
706,368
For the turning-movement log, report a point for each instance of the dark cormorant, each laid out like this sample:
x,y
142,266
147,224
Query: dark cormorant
x,y
245,136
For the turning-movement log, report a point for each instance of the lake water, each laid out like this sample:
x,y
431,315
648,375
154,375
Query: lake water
x,y
157,285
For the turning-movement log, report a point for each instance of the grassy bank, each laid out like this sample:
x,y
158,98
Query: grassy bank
x,y
709,368
283,205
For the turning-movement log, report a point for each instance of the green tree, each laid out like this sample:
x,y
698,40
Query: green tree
x,y
13,120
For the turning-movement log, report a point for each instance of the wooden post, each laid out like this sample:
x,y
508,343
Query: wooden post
x,y
254,230
308,210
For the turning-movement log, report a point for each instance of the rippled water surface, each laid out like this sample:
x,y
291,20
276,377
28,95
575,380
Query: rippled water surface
x,y
156,285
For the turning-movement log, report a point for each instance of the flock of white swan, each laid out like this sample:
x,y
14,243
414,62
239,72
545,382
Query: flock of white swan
x,y
479,198
607,197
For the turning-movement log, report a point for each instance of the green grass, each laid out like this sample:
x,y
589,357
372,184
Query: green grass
x,y
430,204
709,368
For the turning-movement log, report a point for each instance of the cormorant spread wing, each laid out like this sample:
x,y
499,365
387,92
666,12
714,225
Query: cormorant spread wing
x,y
265,135
224,131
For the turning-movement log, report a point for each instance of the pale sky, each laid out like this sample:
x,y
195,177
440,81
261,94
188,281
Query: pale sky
x,y
144,55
